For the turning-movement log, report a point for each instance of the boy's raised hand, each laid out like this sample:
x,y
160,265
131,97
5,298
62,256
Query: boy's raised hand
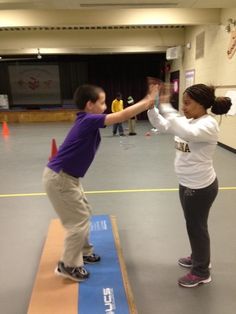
x,y
165,94
153,85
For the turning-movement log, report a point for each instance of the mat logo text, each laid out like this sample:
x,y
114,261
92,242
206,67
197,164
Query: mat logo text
x,y
109,301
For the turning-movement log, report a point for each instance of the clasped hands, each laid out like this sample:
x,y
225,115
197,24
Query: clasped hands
x,y
158,92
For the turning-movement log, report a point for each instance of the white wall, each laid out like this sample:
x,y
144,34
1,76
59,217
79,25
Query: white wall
x,y
214,68
75,41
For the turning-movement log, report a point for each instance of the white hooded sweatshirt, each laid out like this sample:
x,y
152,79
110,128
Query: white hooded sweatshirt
x,y
195,143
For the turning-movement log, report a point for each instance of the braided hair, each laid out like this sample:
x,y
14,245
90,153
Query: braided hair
x,y
205,96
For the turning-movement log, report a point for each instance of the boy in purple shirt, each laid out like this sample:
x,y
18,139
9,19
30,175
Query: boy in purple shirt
x,y
61,177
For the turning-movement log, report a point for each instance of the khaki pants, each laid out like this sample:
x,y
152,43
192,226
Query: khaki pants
x,y
69,201
131,123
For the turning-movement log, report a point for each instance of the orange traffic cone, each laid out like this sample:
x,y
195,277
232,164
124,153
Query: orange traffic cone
x,y
53,149
5,130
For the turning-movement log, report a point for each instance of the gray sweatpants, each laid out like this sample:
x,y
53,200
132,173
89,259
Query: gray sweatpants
x,y
69,201
196,204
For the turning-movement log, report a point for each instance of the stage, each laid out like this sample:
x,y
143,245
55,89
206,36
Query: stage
x,y
38,115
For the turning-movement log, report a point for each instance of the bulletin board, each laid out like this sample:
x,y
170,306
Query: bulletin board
x,y
189,78
227,135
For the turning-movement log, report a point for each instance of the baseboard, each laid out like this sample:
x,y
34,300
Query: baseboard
x,y
231,149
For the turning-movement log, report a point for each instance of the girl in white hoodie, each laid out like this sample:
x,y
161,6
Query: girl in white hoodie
x,y
196,135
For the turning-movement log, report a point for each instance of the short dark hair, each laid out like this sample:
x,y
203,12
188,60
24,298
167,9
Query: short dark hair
x,y
84,93
205,96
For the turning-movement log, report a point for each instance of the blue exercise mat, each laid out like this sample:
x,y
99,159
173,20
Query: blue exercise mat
x,y
103,292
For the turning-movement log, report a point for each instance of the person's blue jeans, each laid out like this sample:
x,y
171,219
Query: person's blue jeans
x,y
118,126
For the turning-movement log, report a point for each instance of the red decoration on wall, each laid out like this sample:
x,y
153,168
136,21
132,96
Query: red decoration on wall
x,y
232,45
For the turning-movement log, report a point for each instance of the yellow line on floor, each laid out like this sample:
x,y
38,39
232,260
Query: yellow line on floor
x,y
224,188
22,195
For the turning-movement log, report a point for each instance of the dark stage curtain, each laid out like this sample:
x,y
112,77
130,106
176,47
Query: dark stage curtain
x,y
72,74
125,73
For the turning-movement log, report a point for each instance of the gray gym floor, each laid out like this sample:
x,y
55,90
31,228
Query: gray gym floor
x,y
151,224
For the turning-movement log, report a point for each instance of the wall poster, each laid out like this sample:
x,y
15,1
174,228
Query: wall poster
x,y
35,84
189,78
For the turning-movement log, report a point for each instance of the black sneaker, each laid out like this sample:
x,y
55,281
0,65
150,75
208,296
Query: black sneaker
x,y
73,273
187,262
91,259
